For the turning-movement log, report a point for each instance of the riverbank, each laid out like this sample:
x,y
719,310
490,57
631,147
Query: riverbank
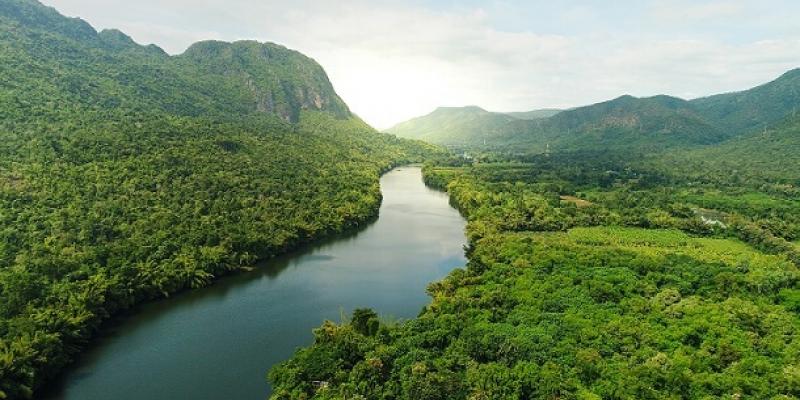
x,y
218,342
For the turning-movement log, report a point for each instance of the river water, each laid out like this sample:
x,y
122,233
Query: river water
x,y
219,342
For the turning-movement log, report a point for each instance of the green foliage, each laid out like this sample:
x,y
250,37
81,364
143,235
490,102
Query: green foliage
x,y
763,159
757,108
464,126
591,314
628,294
128,175
365,321
534,114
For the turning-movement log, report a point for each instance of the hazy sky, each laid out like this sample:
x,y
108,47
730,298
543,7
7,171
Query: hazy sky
x,y
393,60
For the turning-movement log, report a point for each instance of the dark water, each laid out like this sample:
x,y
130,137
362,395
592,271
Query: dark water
x,y
219,342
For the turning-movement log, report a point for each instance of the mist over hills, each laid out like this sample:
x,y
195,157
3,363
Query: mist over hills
x,y
454,125
534,114
648,124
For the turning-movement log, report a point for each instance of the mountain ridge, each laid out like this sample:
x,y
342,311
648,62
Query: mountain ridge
x,y
650,123
210,77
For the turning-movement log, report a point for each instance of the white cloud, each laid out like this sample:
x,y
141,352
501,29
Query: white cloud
x,y
395,60
681,11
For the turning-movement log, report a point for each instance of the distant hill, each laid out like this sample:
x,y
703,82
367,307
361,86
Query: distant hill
x,y
758,107
466,126
625,122
644,124
535,114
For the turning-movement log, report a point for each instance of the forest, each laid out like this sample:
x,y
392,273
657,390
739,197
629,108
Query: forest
x,y
210,198
135,175
636,248
591,275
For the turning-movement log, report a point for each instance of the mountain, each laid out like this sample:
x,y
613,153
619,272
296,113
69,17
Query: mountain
x,y
469,125
464,126
127,174
625,122
664,121
110,70
755,108
534,114
291,83
760,155
642,124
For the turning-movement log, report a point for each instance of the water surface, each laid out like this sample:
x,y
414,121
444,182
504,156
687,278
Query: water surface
x,y
219,342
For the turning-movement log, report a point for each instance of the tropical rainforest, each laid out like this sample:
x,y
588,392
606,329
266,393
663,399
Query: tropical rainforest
x,y
664,268
128,175
590,276
639,248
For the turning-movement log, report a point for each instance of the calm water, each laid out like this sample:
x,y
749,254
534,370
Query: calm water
x,y
219,342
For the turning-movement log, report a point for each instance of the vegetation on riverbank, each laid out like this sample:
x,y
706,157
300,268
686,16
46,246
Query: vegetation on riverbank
x,y
642,294
127,174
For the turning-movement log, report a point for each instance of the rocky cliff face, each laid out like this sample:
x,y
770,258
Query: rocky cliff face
x,y
278,80
110,70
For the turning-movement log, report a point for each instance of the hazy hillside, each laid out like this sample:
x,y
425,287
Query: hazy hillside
x,y
455,126
763,155
756,108
127,174
625,122
645,124
535,114
465,126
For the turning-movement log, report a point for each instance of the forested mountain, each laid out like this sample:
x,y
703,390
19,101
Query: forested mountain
x,y
770,154
469,125
534,114
108,70
274,79
756,108
127,174
645,124
625,122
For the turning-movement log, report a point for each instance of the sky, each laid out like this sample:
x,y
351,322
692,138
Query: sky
x,y
395,60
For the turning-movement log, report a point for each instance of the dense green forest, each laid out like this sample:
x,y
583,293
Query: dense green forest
x,y
638,248
127,174
593,275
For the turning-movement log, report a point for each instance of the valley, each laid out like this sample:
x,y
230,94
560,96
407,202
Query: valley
x,y
217,342
135,175
219,223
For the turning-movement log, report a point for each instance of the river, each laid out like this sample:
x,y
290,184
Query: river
x,y
219,342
